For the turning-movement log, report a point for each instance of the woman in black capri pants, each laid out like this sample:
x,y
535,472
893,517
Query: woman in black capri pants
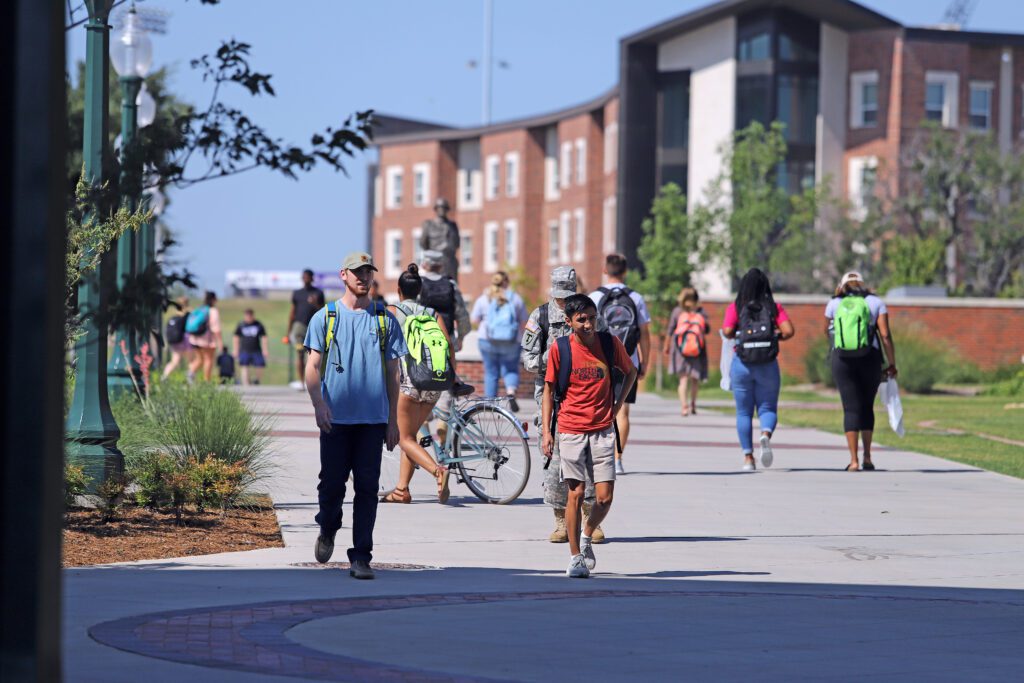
x,y
857,322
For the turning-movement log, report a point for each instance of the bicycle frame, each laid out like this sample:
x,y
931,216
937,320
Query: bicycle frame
x,y
457,425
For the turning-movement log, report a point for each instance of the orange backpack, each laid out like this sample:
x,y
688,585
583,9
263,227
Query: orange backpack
x,y
689,334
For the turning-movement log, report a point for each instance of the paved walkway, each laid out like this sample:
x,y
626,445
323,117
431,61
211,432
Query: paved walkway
x,y
802,571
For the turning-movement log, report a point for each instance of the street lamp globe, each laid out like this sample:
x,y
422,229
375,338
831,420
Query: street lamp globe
x,y
131,50
147,107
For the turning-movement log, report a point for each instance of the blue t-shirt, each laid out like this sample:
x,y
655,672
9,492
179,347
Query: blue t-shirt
x,y
354,386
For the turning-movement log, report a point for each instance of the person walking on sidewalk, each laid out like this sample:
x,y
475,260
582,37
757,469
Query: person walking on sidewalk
x,y
306,301
547,324
579,381
756,324
204,335
857,322
686,348
251,348
351,375
500,316
181,350
624,312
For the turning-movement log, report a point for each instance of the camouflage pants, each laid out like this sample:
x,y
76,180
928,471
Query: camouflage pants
x,y
556,493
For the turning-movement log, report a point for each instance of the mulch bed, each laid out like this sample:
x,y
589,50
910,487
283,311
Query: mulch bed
x,y
141,534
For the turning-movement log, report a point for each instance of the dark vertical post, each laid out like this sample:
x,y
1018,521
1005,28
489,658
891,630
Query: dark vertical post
x,y
32,205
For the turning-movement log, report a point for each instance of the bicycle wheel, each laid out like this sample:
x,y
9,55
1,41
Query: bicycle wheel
x,y
498,454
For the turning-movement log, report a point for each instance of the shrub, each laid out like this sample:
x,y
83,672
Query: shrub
x,y
76,482
151,472
216,483
1014,386
922,363
818,364
110,496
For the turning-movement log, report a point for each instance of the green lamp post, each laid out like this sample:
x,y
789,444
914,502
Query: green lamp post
x,y
131,54
90,430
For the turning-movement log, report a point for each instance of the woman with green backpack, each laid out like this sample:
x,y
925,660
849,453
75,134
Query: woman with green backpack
x,y
857,322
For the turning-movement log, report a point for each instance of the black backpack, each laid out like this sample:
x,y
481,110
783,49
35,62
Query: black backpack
x,y
619,312
176,330
756,341
440,295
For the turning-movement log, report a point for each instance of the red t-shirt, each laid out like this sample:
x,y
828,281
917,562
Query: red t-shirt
x,y
732,318
588,403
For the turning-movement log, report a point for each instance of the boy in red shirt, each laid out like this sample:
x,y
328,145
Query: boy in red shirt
x,y
585,420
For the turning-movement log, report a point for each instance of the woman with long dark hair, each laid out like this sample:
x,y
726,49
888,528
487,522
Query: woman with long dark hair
x,y
203,325
857,323
757,324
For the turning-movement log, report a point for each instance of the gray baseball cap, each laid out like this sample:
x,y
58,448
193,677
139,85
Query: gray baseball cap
x,y
357,259
563,282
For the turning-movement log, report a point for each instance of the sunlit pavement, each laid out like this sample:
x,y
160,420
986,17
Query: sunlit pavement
x,y
801,571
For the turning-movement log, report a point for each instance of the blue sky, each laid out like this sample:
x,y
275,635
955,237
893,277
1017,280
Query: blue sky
x,y
405,57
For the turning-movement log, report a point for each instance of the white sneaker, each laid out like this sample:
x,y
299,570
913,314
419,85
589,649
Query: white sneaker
x,y
587,550
577,568
748,467
296,385
619,469
766,451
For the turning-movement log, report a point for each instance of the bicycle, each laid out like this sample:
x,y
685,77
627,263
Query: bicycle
x,y
486,447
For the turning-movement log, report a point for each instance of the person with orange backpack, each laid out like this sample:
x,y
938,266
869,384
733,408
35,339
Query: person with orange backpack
x,y
686,346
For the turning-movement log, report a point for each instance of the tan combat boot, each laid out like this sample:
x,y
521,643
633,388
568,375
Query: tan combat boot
x,y
560,534
598,536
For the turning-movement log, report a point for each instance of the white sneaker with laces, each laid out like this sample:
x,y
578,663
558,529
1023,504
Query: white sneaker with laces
x,y
578,568
766,451
587,551
619,469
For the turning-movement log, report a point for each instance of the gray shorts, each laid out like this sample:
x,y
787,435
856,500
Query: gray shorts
x,y
297,335
590,454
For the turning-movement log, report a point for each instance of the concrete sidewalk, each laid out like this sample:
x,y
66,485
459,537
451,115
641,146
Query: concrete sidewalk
x,y
801,571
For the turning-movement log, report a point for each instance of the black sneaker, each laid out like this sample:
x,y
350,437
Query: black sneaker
x,y
361,569
460,389
324,548
513,404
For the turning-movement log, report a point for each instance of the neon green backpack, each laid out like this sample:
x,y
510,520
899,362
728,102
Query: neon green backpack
x,y
851,327
428,364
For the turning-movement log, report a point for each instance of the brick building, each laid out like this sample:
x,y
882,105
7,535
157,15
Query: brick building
x,y
851,85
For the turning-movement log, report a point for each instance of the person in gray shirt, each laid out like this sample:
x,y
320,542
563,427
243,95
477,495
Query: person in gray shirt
x,y
546,324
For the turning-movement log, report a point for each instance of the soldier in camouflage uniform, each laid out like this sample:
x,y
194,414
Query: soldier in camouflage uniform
x,y
442,234
546,324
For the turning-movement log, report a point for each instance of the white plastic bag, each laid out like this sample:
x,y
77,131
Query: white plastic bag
x,y
889,392
725,363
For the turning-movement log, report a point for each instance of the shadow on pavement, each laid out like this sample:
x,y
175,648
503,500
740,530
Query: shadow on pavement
x,y
669,539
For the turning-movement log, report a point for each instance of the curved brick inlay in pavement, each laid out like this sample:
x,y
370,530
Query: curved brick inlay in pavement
x,y
251,637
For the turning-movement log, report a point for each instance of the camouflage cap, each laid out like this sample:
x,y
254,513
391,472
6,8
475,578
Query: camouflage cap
x,y
563,282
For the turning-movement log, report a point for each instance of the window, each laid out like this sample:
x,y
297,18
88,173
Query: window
x,y
511,242
608,228
864,99
564,233
551,164
553,241
393,187
755,48
393,253
673,129
753,100
980,114
493,176
421,184
490,247
512,174
417,250
378,195
611,147
940,99
465,252
797,106
566,164
579,235
468,177
581,161
861,180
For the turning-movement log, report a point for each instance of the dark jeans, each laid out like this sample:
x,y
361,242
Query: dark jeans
x,y
857,380
351,449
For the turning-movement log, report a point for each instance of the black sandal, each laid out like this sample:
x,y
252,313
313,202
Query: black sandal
x,y
868,466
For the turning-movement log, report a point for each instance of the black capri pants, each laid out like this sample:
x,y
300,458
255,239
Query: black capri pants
x,y
857,380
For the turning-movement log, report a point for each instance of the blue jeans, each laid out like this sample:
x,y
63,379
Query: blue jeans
x,y
754,386
501,359
351,449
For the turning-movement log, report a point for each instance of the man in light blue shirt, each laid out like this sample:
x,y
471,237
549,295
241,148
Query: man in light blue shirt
x,y
351,376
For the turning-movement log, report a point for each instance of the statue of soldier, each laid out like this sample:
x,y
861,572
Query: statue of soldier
x,y
441,234
546,324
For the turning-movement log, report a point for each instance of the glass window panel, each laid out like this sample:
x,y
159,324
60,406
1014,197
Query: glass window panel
x,y
675,115
934,99
756,48
752,100
798,107
793,49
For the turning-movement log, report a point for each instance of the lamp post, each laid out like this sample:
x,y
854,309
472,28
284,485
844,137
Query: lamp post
x,y
90,430
131,54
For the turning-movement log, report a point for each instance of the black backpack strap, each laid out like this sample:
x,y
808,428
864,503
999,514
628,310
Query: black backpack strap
x,y
564,367
544,321
608,349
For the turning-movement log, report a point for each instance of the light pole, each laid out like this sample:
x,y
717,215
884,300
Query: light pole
x,y
90,430
131,54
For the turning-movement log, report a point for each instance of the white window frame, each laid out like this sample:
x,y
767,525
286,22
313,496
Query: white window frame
x,y
855,184
989,88
554,240
551,169
378,195
858,81
393,253
579,235
491,247
608,228
469,178
393,178
421,195
465,252
564,235
512,174
511,242
417,250
492,179
611,147
950,81
565,165
581,161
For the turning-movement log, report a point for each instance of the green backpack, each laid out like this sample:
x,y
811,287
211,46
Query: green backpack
x,y
851,327
427,365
